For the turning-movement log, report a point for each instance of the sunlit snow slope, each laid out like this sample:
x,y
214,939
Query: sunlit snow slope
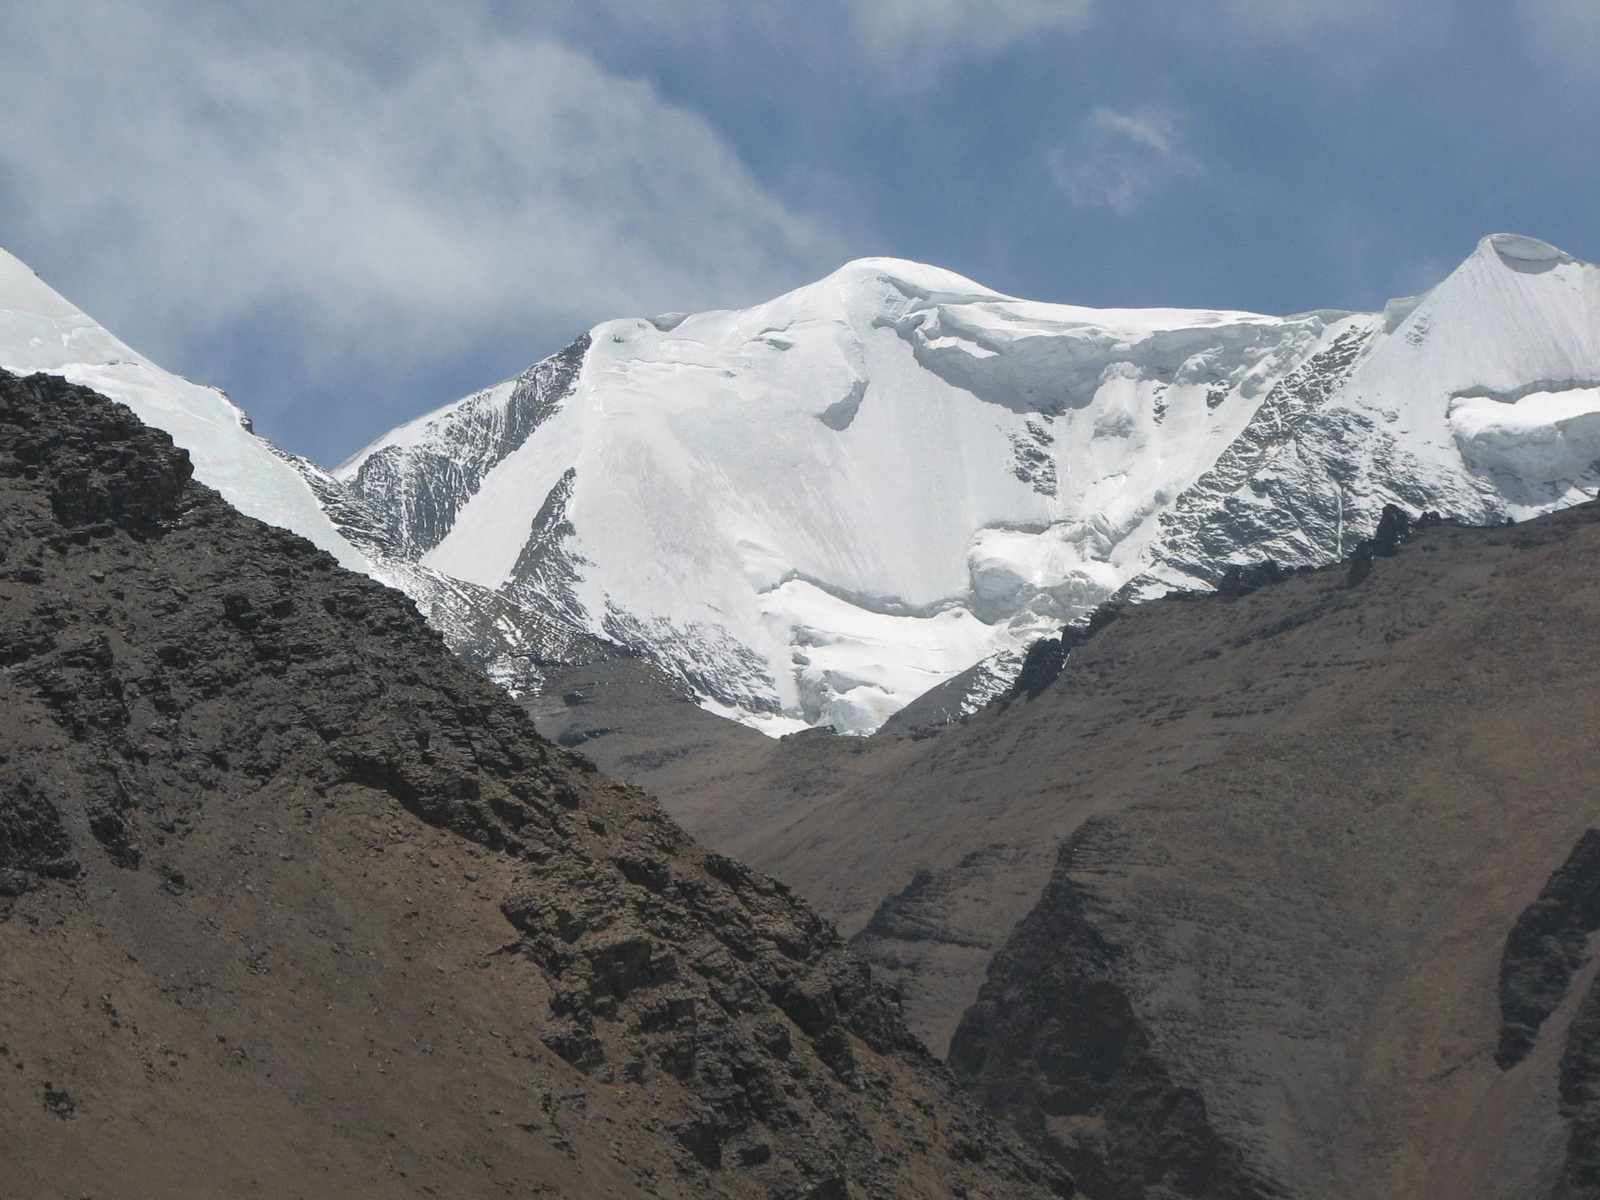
x,y
816,509
41,331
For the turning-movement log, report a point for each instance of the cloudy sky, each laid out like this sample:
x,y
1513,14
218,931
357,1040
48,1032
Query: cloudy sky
x,y
347,213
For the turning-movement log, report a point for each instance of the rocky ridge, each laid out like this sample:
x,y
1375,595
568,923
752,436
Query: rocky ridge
x,y
293,901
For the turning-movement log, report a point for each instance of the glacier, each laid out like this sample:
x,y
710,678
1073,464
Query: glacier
x,y
812,511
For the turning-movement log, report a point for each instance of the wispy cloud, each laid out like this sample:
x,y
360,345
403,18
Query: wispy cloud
x,y
391,202
1116,159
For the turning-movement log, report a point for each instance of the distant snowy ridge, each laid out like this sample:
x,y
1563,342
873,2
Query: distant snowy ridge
x,y
817,509
41,331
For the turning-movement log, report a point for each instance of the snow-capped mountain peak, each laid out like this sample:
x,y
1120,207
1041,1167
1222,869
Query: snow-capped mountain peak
x,y
813,510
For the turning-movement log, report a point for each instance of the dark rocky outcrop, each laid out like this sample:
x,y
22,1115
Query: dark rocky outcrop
x,y
1580,1102
1394,528
1045,658
33,840
1546,947
1040,666
1241,580
1545,950
1055,1045
279,871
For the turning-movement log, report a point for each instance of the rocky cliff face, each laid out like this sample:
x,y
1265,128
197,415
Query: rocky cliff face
x,y
294,902
1056,1043
1283,973
1546,949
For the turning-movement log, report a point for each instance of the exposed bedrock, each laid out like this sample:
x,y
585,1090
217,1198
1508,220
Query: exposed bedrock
x,y
1055,1045
1546,947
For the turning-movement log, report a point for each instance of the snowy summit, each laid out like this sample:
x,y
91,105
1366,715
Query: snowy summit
x,y
818,508
814,510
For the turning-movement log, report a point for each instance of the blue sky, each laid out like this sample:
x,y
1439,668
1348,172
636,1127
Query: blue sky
x,y
347,213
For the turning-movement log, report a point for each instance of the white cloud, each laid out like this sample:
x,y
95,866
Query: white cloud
x,y
916,36
433,187
1116,159
1566,30
1147,129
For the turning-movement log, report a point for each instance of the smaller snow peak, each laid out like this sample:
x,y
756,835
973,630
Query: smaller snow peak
x,y
1525,254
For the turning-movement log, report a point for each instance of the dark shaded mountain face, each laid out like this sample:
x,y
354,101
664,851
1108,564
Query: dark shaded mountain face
x,y
1289,890
292,902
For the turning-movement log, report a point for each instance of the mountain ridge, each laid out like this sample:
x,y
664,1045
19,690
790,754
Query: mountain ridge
x,y
1265,891
1316,421
815,510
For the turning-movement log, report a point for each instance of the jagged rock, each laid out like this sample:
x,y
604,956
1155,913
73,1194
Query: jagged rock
x,y
1241,580
1361,563
1394,527
1580,1101
1040,666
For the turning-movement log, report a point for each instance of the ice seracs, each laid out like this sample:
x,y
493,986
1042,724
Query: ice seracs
x,y
1541,437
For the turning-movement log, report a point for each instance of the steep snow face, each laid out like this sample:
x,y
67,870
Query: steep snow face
x,y
1475,400
41,331
817,509
1500,362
